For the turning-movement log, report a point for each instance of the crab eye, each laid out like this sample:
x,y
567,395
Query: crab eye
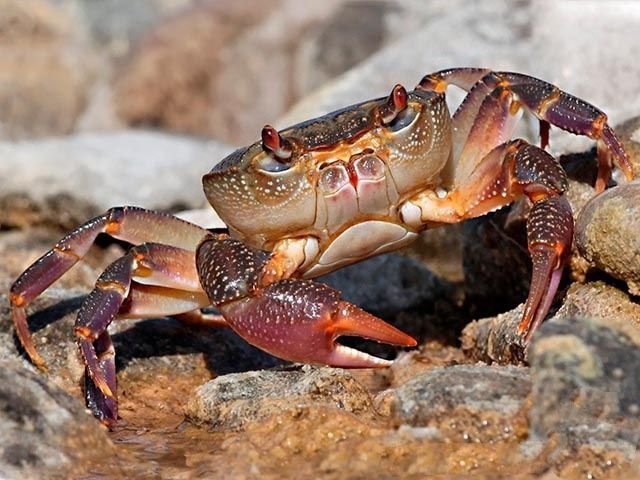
x,y
269,163
396,113
403,119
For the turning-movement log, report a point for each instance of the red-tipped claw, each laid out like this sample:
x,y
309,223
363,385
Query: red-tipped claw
x,y
300,320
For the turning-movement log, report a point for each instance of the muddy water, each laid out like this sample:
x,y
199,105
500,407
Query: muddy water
x,y
154,441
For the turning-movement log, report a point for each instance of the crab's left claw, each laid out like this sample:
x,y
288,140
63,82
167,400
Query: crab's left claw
x,y
300,320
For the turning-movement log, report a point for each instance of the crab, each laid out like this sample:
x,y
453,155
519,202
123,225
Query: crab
x,y
323,194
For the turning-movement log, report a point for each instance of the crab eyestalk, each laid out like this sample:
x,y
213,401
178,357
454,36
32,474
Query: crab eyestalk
x,y
274,143
396,103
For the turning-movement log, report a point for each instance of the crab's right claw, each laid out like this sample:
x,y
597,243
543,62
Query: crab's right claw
x,y
550,233
300,320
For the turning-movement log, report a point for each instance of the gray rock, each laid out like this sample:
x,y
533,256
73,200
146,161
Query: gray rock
x,y
44,432
607,233
586,389
454,34
465,402
148,169
388,284
232,401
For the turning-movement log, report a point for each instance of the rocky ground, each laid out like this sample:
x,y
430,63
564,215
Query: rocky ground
x,y
115,102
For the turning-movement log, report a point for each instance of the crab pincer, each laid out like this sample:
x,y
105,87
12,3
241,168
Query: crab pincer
x,y
294,319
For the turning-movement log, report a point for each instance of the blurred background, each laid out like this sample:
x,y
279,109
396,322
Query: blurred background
x,y
91,87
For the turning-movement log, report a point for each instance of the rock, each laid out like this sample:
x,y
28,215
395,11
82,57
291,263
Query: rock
x,y
440,249
388,284
629,134
520,43
162,172
607,233
45,70
167,83
43,431
586,391
496,263
185,74
494,339
472,403
232,401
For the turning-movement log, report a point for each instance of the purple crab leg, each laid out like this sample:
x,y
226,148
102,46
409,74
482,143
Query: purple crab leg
x,y
547,102
549,235
131,224
172,288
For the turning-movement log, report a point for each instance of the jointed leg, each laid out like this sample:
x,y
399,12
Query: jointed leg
x,y
131,224
506,173
117,293
549,104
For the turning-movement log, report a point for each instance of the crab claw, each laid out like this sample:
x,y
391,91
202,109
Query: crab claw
x,y
300,320
549,232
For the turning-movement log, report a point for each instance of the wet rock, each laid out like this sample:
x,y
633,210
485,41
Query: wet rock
x,y
43,431
475,403
586,391
607,233
162,171
232,401
45,70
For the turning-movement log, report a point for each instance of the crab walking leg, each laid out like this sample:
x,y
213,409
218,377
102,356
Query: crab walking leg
x,y
298,320
119,293
131,224
547,102
510,171
103,407
549,235
550,104
470,80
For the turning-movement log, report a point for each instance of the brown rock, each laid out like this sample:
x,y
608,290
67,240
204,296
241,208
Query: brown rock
x,y
607,233
233,401
167,82
226,68
44,70
629,134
